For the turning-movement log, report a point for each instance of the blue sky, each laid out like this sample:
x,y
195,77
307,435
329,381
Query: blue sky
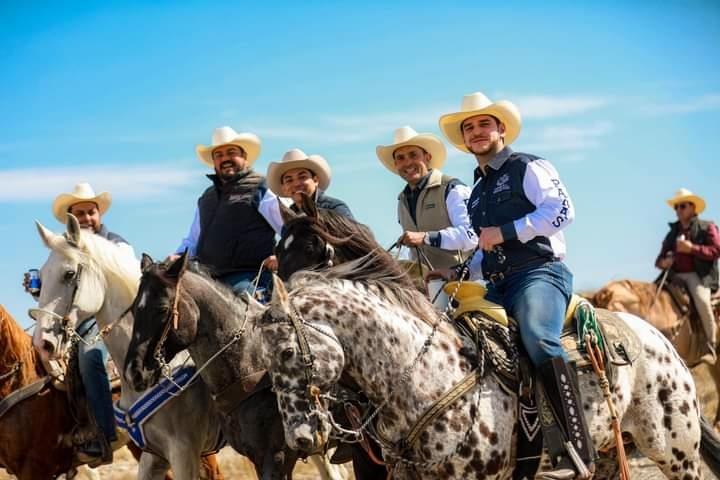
x,y
624,99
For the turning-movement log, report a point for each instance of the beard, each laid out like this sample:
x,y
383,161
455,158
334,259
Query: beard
x,y
491,146
228,170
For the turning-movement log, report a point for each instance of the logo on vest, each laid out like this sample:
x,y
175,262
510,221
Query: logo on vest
x,y
428,206
502,183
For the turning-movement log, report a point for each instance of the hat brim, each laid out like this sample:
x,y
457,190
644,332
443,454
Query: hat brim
x,y
694,199
430,143
315,163
63,202
503,110
247,141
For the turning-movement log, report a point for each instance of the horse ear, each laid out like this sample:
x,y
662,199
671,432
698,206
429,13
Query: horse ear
x,y
178,267
280,297
73,230
253,306
286,213
146,262
308,206
49,238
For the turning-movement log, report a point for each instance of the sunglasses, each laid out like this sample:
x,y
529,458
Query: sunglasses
x,y
682,206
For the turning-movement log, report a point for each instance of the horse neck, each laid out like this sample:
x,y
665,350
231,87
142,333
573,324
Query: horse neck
x,y
117,300
379,347
15,346
221,314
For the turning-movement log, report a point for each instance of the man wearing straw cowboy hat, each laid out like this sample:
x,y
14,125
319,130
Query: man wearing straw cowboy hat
x,y
297,174
432,208
88,208
690,252
519,207
233,230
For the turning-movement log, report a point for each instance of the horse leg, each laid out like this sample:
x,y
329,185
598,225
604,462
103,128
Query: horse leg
x,y
185,465
715,372
327,470
210,468
152,467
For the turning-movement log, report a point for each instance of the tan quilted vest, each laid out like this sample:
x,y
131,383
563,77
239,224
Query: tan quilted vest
x,y
432,215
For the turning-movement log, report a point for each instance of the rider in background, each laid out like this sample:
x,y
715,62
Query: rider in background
x,y
691,250
297,174
88,208
233,229
432,208
519,207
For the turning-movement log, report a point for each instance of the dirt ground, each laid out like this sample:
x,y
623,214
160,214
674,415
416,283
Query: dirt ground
x,y
236,467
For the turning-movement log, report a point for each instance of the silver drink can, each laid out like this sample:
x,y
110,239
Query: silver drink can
x,y
34,286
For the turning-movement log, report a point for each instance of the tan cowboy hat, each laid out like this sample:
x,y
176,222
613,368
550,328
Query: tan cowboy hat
x,y
685,195
296,158
405,136
82,192
478,104
227,136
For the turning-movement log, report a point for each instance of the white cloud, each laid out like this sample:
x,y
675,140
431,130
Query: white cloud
x,y
544,106
703,103
566,138
42,184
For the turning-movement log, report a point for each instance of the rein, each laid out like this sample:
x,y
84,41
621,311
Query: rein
x,y
11,373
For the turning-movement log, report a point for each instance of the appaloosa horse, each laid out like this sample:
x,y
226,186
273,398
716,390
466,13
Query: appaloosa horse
x,y
665,314
389,341
87,276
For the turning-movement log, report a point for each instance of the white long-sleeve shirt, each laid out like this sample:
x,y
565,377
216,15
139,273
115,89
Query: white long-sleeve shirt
x,y
459,235
268,207
554,211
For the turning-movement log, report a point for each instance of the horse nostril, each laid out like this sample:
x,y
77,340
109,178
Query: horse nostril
x,y
304,444
48,347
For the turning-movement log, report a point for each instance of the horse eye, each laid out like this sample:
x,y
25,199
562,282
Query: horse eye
x,y
287,354
69,275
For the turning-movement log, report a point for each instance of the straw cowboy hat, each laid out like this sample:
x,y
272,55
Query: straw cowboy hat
x,y
685,195
478,104
296,158
405,136
227,136
82,192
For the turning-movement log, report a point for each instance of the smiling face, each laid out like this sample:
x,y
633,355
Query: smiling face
x,y
87,214
412,163
297,181
483,134
229,160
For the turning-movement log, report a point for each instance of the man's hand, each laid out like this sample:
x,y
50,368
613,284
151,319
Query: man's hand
x,y
684,246
665,263
26,285
448,274
489,237
271,263
412,239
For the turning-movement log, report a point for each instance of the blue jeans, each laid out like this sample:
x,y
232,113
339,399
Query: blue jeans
x,y
244,282
537,299
92,360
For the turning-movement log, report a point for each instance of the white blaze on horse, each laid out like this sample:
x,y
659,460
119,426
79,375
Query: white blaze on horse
x,y
87,276
375,333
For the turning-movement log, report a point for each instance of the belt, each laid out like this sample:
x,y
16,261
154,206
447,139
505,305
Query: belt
x,y
496,277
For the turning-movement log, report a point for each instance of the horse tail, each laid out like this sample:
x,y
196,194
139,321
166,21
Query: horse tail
x,y
710,446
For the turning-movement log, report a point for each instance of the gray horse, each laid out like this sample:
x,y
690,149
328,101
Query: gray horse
x,y
104,289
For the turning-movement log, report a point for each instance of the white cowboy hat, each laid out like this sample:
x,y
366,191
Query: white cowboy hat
x,y
82,192
296,158
405,136
227,136
685,195
478,104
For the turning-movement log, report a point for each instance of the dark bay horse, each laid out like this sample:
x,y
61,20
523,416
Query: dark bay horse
x,y
663,313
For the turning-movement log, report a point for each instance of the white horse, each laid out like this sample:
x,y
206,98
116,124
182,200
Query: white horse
x,y
85,276
375,333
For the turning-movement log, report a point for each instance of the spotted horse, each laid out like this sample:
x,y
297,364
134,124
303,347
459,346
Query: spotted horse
x,y
391,343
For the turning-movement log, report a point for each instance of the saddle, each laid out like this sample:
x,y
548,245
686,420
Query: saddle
x,y
496,338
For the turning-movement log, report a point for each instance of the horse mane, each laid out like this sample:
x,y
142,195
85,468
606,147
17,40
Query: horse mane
x,y
103,256
15,346
377,270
